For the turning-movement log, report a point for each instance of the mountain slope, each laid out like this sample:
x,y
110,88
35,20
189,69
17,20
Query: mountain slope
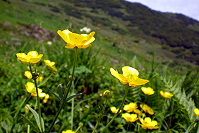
x,y
133,22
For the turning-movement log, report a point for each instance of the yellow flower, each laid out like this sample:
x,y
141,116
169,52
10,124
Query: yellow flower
x,y
76,40
196,110
49,63
147,123
32,57
40,79
130,117
46,98
137,111
130,107
147,90
129,76
68,131
114,110
166,94
147,109
28,74
30,87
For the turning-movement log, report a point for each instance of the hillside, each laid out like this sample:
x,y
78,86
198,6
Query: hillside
x,y
173,36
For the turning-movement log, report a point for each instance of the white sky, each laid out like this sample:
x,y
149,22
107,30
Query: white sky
x,y
189,8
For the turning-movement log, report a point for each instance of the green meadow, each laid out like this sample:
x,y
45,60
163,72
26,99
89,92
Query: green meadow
x,y
81,95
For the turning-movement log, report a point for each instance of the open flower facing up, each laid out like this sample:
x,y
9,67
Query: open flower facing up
x,y
32,57
166,94
129,76
68,131
130,117
30,87
114,110
130,107
147,109
147,90
49,63
76,40
147,123
196,111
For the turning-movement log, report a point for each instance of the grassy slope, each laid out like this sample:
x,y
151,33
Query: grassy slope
x,y
45,14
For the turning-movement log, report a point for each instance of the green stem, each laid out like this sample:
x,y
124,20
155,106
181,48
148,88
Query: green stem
x,y
72,109
65,94
121,106
100,117
38,100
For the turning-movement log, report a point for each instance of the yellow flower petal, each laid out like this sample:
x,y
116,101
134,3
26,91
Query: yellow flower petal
x,y
147,90
166,94
28,74
196,111
129,76
76,40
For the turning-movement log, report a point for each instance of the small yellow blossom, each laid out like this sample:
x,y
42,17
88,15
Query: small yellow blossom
x,y
46,98
130,117
30,87
28,74
147,90
32,57
166,94
129,76
76,40
40,79
147,109
137,111
68,131
147,123
49,63
196,110
114,110
130,107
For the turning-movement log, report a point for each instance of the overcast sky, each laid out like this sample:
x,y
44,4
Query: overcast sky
x,y
189,8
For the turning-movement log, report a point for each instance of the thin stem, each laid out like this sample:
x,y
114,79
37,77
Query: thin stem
x,y
120,108
63,102
38,100
72,109
100,117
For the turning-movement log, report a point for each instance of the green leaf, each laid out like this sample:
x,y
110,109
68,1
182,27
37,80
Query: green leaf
x,y
67,99
60,91
54,94
31,124
40,125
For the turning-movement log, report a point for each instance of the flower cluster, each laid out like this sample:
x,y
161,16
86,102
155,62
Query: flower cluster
x,y
135,114
30,87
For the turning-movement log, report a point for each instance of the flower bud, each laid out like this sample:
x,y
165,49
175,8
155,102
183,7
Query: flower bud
x,y
107,94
